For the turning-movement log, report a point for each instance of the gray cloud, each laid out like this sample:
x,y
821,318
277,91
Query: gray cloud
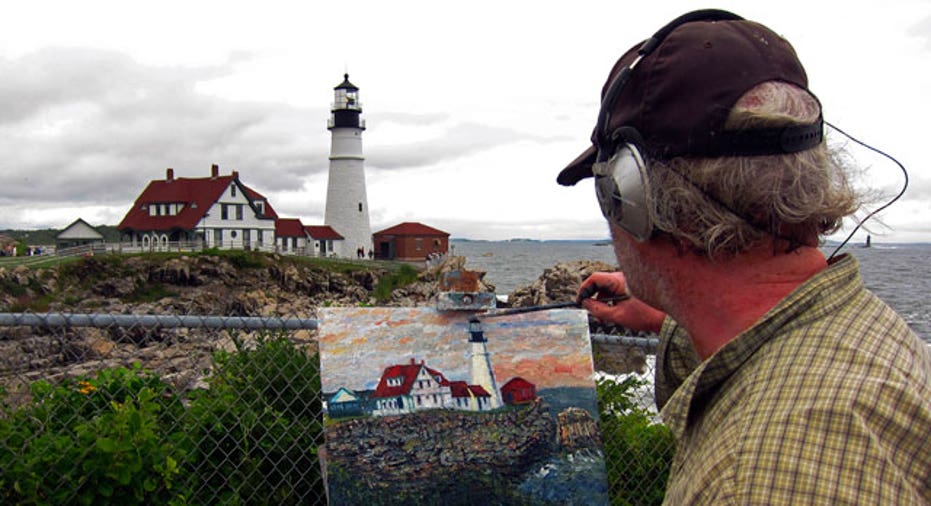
x,y
89,127
456,141
85,126
922,29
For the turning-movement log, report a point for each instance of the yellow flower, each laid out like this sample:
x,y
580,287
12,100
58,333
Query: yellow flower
x,y
86,387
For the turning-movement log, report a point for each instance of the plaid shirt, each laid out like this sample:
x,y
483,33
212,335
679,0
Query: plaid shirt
x,y
825,400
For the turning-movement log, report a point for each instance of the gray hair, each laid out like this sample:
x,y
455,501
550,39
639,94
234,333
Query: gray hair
x,y
720,207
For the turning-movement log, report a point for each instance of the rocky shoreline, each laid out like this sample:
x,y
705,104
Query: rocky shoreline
x,y
226,285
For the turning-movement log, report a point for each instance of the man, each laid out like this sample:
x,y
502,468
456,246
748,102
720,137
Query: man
x,y
783,379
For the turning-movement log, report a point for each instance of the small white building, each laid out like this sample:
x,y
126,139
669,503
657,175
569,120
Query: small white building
x,y
78,233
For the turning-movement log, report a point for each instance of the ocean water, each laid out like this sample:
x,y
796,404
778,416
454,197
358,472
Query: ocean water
x,y
900,274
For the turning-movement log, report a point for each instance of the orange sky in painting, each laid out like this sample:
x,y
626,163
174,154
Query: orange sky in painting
x,y
548,349
547,371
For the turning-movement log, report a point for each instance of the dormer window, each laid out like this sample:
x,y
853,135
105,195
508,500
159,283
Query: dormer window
x,y
395,381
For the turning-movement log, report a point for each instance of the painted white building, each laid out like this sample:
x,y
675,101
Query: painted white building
x,y
347,208
406,388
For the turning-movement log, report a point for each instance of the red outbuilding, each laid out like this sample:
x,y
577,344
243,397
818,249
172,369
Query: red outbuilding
x,y
410,241
518,391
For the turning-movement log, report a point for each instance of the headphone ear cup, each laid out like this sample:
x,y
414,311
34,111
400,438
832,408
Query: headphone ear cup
x,y
629,172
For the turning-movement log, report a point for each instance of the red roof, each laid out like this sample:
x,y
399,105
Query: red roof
x,y
462,389
254,195
289,227
517,383
459,388
479,391
196,194
408,374
322,232
411,228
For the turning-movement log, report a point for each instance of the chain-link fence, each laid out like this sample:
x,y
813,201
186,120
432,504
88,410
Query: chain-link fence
x,y
164,409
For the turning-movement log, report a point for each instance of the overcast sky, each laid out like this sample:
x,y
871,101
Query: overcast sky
x,y
472,108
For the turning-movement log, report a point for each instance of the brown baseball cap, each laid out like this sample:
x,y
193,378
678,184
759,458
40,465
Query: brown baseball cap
x,y
680,94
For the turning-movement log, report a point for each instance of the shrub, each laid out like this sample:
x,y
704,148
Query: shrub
x,y
257,427
111,439
638,451
405,275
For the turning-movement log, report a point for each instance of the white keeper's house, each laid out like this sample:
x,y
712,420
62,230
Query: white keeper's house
x,y
217,211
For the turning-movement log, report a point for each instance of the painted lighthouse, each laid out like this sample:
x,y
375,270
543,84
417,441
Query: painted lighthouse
x,y
347,208
482,372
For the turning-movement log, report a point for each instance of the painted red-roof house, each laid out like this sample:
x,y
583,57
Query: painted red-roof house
x,y
405,388
518,391
469,397
409,387
216,211
410,241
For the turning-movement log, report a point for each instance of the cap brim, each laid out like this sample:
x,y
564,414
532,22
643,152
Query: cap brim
x,y
578,169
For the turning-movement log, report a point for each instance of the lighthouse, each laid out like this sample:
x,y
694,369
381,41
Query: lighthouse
x,y
482,373
347,208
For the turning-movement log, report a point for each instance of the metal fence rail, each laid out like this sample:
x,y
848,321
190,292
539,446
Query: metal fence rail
x,y
204,409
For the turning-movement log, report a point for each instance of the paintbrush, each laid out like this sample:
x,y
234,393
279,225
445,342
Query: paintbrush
x,y
544,307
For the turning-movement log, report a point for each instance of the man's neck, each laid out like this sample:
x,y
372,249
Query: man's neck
x,y
716,301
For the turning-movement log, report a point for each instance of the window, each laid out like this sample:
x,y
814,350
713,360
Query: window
x,y
232,190
360,207
394,382
418,244
239,212
224,211
259,236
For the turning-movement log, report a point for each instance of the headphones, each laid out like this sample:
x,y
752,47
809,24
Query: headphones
x,y
620,169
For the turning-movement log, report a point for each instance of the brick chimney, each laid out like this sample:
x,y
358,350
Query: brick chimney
x,y
169,174
235,174
214,171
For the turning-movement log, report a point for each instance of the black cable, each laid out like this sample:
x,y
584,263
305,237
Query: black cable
x,y
902,192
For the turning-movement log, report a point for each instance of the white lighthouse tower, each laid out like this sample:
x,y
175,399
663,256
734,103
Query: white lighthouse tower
x,y
482,372
347,208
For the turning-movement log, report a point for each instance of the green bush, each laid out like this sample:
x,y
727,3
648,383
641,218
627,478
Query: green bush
x,y
638,451
111,439
122,437
257,427
405,275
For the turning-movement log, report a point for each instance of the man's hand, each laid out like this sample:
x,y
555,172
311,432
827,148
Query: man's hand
x,y
631,313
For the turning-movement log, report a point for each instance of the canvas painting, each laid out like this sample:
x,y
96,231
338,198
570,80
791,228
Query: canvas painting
x,y
439,407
